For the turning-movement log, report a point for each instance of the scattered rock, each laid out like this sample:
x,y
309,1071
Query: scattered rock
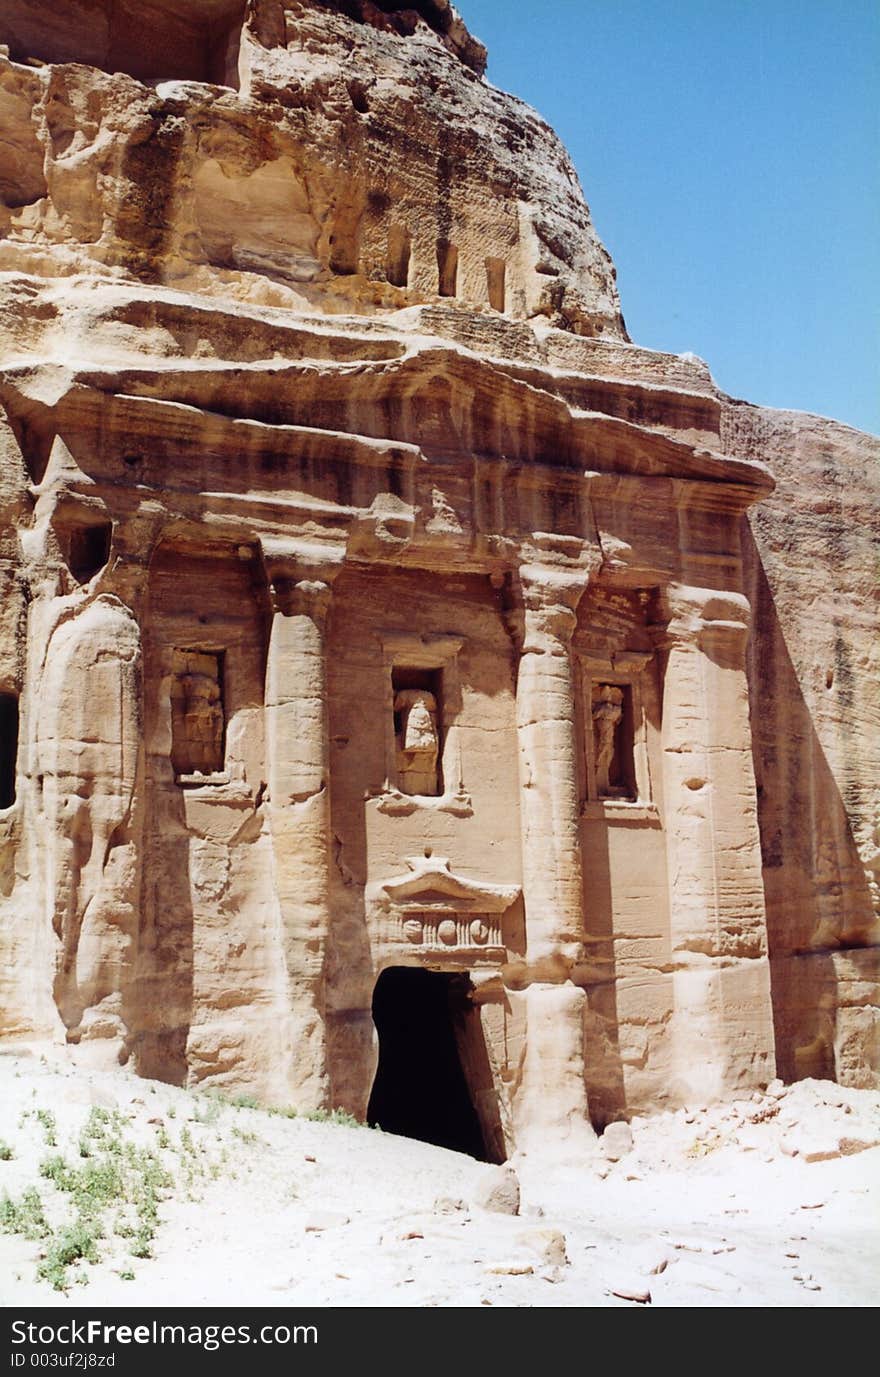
x,y
632,1293
816,1149
310,1158
510,1269
652,1259
499,1191
849,1146
546,1244
616,1141
325,1219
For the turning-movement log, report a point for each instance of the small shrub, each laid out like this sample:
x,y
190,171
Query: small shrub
x,y
142,1246
49,1125
23,1216
75,1242
6,1153
333,1116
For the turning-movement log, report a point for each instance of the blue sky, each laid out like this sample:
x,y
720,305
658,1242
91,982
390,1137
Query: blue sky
x,y
730,154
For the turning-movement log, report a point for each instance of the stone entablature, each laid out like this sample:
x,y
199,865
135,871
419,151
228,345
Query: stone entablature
x,y
369,601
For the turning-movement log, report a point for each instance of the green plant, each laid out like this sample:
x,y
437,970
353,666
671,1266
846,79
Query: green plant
x,y
93,1185
49,1125
75,1242
23,1216
209,1113
142,1246
56,1170
333,1116
6,1153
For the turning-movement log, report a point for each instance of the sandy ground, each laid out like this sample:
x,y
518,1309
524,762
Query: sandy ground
x,y
774,1201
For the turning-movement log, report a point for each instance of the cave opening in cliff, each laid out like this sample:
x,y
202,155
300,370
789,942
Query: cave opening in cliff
x,y
8,747
399,250
496,270
151,40
447,268
88,549
425,1023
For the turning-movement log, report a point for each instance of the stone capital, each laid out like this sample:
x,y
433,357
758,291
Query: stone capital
x,y
707,618
550,598
301,575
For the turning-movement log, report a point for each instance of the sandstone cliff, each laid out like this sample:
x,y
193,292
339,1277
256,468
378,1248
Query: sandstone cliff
x,y
289,155
373,642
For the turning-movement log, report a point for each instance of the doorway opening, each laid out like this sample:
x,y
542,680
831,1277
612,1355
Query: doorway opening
x,y
433,1081
8,747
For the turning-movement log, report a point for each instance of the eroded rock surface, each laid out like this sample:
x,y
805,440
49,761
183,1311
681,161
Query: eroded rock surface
x,y
375,626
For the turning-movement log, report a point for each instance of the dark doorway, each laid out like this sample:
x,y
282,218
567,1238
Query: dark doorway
x,y
8,748
420,1089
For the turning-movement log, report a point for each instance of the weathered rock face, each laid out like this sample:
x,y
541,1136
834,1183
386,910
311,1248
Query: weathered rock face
x,y
357,162
375,619
814,675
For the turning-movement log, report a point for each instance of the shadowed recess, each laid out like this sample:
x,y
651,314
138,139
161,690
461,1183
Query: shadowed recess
x,y
420,1089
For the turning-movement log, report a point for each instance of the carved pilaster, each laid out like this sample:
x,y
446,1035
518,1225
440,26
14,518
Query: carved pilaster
x,y
716,896
549,797
551,861
299,806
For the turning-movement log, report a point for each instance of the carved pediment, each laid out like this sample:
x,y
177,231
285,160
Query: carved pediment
x,y
438,915
431,884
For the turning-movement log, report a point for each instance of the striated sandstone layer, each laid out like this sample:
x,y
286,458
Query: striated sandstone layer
x,y
379,721
811,565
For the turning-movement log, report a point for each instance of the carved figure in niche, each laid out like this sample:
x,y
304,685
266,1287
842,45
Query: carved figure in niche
x,y
197,717
418,744
607,717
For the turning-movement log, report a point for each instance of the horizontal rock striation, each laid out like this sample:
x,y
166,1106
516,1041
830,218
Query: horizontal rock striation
x,y
384,641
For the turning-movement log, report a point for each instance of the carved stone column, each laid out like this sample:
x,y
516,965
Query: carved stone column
x,y
299,803
551,1105
723,1025
549,774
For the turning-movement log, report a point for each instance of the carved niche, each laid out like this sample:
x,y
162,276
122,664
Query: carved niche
x,y
423,764
615,736
197,718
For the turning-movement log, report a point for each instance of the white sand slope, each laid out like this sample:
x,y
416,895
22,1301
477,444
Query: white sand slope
x,y
768,1202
